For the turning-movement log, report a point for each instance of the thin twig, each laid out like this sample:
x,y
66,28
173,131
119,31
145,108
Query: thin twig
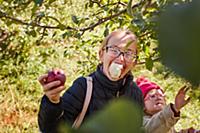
x,y
91,27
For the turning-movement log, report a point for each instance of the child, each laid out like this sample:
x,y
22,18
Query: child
x,y
159,117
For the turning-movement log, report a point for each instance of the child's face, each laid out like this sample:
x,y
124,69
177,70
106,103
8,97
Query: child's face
x,y
154,101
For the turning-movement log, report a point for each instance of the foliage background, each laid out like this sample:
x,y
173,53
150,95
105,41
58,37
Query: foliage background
x,y
37,35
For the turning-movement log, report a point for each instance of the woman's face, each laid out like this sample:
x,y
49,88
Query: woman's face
x,y
120,49
154,101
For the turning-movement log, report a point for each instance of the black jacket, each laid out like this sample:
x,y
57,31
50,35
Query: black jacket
x,y
104,90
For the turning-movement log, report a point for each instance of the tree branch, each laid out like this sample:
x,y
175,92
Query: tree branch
x,y
103,20
91,27
2,14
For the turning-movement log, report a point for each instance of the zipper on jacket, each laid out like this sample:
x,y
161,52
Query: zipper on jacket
x,y
117,95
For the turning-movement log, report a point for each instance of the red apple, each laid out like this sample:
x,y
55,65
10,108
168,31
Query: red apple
x,y
56,74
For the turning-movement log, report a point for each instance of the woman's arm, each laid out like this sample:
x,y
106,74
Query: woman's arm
x,y
52,114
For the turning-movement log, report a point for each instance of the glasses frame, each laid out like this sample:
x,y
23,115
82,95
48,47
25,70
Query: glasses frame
x,y
134,55
154,95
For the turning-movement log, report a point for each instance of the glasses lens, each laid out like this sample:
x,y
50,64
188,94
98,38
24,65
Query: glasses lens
x,y
154,94
115,52
130,56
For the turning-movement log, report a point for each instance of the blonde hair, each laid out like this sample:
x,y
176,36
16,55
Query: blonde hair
x,y
107,38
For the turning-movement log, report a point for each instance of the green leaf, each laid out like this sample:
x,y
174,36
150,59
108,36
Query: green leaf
x,y
75,19
38,2
179,40
91,4
33,10
138,22
51,1
33,33
106,31
121,116
129,8
77,35
149,63
62,26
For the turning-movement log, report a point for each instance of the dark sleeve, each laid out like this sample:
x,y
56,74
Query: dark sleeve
x,y
73,100
176,114
51,115
137,94
48,115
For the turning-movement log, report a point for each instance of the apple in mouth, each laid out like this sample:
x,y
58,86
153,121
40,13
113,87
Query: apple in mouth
x,y
115,70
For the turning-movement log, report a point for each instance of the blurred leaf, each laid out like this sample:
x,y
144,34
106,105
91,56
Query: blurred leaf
x,y
67,33
91,4
179,40
77,35
61,26
138,22
32,33
51,1
38,2
121,116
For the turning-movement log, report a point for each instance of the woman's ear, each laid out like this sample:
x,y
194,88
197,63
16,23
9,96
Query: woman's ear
x,y
134,63
101,55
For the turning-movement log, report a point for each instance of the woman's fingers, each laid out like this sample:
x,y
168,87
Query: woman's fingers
x,y
54,94
52,89
51,85
56,91
42,79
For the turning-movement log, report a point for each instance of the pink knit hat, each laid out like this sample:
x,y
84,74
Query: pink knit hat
x,y
145,85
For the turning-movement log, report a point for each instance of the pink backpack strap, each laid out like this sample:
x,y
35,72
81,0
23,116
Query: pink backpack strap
x,y
88,96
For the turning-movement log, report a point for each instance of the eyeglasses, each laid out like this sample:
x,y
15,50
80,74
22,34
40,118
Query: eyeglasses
x,y
153,94
116,52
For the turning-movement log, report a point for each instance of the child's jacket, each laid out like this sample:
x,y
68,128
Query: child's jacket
x,y
161,122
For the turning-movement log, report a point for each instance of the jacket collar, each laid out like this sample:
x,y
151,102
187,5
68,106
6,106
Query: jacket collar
x,y
107,83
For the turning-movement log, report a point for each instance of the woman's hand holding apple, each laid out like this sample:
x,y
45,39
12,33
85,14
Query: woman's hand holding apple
x,y
53,84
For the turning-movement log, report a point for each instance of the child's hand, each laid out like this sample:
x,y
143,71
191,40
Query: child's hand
x,y
180,100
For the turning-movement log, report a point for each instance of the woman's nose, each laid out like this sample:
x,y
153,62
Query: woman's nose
x,y
121,57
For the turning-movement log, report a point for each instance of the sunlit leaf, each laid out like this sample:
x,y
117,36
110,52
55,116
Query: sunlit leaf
x,y
129,8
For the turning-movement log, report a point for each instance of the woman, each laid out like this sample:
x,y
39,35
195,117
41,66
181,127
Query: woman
x,y
112,79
